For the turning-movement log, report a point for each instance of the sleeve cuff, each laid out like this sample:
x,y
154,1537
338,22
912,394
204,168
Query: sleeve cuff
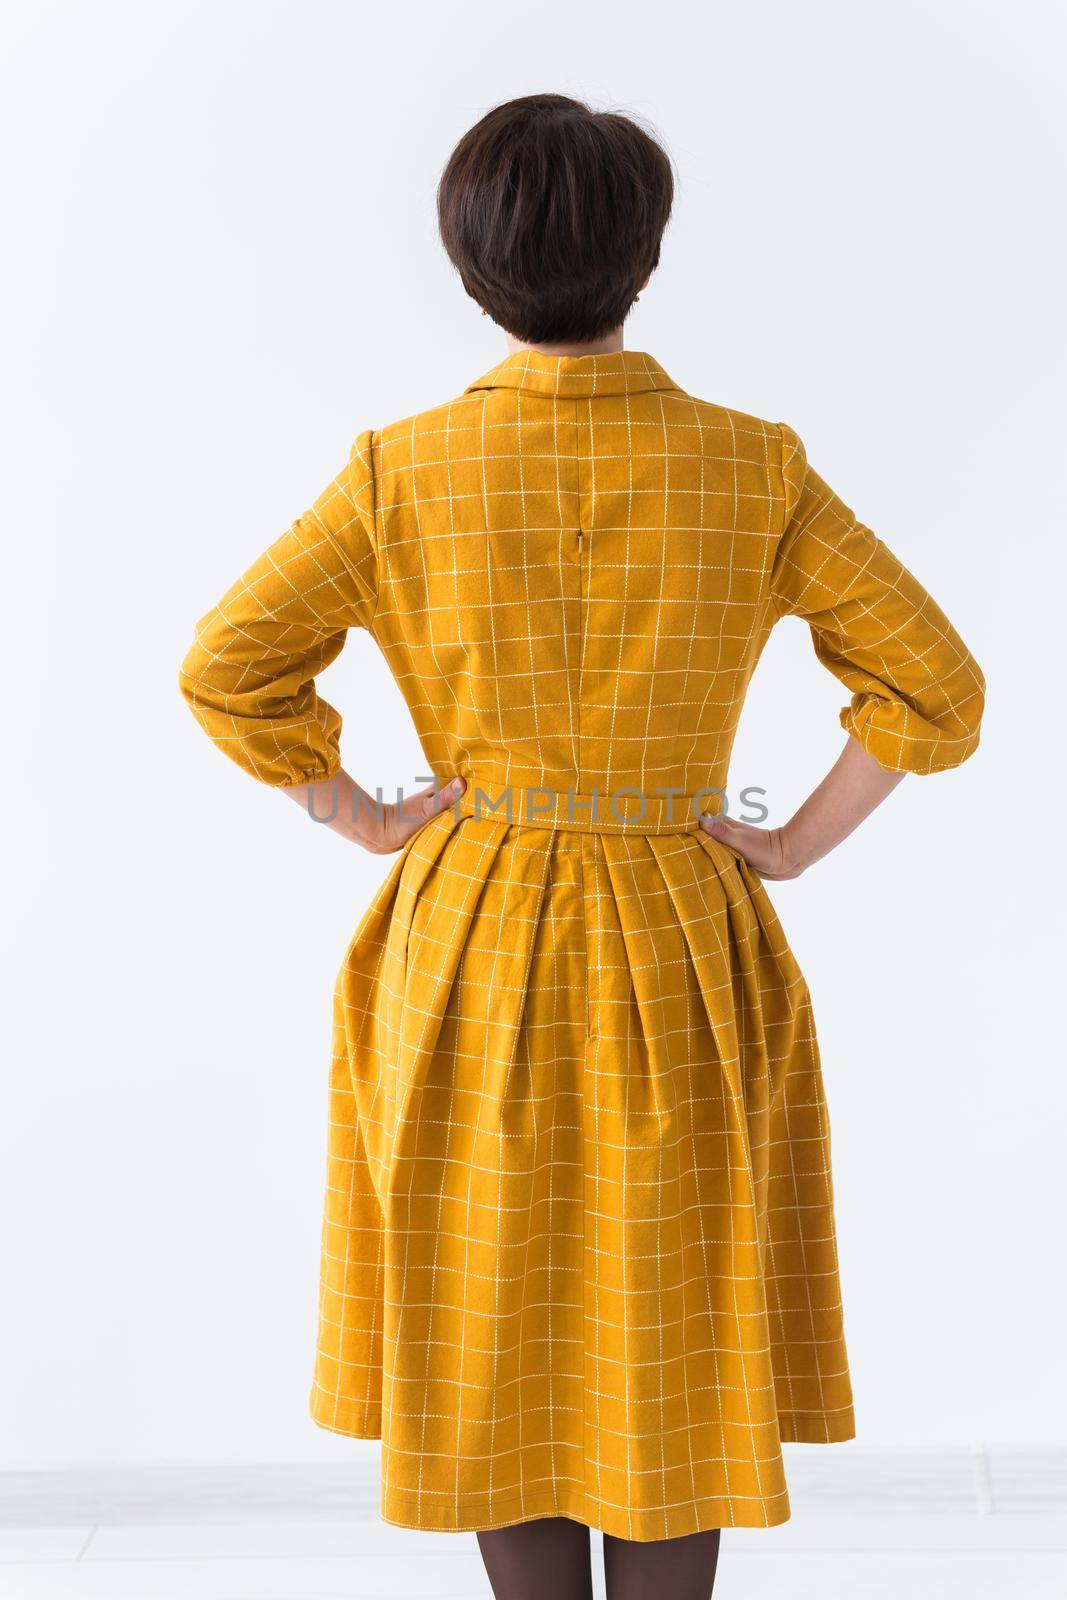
x,y
895,736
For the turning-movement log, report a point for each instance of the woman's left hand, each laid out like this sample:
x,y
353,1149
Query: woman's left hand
x,y
769,851
855,784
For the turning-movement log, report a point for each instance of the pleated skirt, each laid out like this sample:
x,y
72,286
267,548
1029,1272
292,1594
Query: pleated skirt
x,y
578,1250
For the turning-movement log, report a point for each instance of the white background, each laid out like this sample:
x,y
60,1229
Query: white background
x,y
221,264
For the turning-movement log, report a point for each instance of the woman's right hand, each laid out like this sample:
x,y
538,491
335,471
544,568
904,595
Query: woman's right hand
x,y
342,805
389,827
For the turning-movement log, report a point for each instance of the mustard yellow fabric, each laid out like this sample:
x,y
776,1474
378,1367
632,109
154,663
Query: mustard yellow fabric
x,y
578,1247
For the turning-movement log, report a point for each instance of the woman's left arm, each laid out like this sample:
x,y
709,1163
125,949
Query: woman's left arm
x,y
917,693
851,790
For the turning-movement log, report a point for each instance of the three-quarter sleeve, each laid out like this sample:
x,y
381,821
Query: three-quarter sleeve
x,y
917,692
249,678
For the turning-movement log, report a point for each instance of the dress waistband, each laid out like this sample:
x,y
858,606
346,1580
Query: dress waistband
x,y
621,810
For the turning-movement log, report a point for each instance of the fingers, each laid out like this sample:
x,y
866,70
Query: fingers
x,y
446,796
726,829
769,851
419,808
752,844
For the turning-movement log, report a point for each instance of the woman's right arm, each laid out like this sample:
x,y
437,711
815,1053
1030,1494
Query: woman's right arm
x,y
380,827
249,677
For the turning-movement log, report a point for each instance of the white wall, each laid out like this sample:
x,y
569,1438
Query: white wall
x,y
223,265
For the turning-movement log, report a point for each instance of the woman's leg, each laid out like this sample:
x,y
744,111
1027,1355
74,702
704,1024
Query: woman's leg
x,y
547,1559
662,1569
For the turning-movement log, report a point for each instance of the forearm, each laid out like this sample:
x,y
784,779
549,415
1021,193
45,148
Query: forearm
x,y
342,805
851,790
854,787
339,803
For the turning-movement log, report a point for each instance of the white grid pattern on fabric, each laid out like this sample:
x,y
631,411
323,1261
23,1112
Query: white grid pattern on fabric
x,y
578,1248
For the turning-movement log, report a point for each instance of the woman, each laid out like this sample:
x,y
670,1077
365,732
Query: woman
x,y
579,1264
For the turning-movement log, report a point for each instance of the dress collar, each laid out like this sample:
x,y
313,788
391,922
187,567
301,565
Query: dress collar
x,y
620,372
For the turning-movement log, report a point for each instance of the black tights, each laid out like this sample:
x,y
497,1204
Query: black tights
x,y
549,1560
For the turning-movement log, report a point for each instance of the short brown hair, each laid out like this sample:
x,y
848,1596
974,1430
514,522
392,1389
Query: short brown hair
x,y
553,215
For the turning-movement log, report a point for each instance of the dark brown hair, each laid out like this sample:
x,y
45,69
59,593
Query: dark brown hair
x,y
553,214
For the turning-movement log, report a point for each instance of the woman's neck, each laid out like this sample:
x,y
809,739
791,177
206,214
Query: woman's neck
x,y
608,345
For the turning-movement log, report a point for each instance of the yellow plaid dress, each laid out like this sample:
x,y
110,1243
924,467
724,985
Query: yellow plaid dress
x,y
578,1251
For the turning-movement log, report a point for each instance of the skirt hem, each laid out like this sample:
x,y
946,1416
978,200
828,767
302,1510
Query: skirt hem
x,y
404,1510
640,1527
816,1427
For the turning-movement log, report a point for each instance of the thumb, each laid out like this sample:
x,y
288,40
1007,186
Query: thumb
x,y
417,809
719,827
439,799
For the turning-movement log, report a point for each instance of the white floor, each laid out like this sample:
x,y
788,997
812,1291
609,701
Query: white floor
x,y
932,1525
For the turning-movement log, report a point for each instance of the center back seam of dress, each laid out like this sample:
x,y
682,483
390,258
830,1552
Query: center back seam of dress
x,y
581,601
